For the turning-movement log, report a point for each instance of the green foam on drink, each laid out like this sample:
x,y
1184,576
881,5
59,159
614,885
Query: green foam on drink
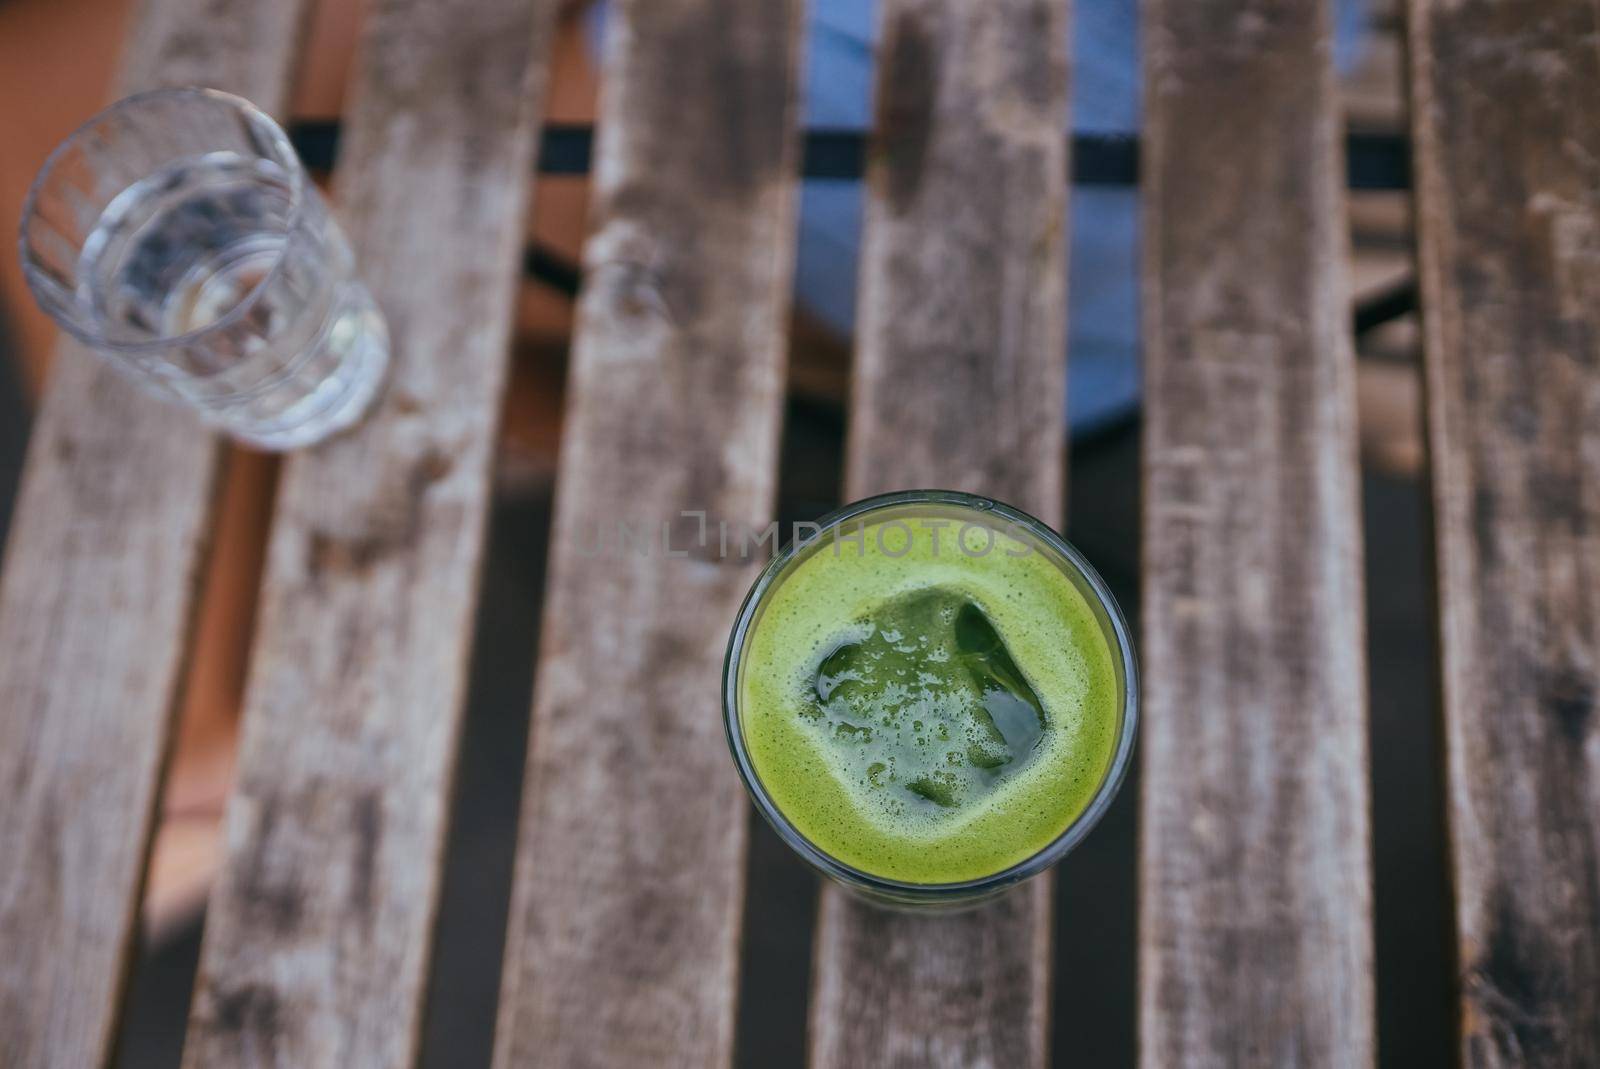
x,y
924,713
922,697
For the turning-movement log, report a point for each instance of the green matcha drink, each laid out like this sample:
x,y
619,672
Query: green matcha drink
x,y
931,692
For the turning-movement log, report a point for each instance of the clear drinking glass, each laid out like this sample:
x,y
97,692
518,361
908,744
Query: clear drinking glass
x,y
956,508
177,234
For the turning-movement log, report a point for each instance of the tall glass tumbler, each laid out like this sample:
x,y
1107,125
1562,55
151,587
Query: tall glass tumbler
x,y
177,234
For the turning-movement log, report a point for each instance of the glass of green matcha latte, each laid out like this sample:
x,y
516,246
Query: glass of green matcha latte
x,y
932,698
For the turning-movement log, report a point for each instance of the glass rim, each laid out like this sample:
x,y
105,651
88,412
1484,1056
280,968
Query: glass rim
x,y
902,890
297,179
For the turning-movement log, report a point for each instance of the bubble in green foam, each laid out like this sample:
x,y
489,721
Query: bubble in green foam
x,y
930,656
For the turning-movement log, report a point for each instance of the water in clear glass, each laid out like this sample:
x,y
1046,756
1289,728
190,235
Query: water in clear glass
x,y
178,234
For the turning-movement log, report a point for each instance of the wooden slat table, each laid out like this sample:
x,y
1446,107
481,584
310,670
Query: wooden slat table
x,y
1255,945
1255,918
959,381
1508,169
97,598
317,936
624,930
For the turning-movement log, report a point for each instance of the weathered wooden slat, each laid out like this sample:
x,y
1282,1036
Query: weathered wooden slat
x,y
628,892
1507,145
319,932
959,383
1255,901
98,597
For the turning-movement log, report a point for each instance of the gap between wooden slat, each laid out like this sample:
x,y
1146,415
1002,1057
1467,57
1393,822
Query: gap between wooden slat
x,y
781,890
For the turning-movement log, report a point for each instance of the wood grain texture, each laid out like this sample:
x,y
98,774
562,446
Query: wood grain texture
x,y
1255,899
96,605
628,893
959,384
1507,149
319,931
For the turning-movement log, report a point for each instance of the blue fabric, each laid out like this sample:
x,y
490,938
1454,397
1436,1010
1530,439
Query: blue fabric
x,y
1102,289
1103,313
